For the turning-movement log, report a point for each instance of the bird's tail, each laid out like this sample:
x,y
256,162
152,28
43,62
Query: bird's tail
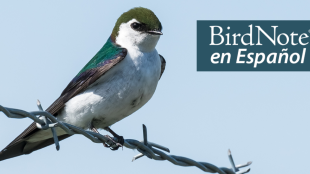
x,y
28,141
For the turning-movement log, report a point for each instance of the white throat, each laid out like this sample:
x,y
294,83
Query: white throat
x,y
131,39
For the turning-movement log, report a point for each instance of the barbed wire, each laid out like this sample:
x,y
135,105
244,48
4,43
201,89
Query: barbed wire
x,y
44,120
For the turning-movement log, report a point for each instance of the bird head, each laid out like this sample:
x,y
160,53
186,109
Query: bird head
x,y
138,28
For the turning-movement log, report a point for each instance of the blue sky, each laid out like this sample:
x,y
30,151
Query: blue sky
x,y
261,116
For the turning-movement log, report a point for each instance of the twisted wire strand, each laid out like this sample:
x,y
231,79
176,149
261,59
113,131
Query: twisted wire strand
x,y
46,121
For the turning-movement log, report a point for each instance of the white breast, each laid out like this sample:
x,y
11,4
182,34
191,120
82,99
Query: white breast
x,y
120,92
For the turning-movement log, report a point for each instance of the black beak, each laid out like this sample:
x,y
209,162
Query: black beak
x,y
155,32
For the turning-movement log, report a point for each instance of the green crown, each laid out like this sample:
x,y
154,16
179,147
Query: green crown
x,y
143,15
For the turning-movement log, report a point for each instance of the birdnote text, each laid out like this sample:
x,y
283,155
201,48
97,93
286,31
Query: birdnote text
x,y
253,45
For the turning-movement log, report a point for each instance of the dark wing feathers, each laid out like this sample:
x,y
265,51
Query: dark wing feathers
x,y
81,82
76,86
163,65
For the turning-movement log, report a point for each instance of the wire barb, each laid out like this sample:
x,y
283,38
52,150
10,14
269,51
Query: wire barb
x,y
48,123
45,120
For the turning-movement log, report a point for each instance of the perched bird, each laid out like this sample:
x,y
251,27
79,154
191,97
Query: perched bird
x,y
116,82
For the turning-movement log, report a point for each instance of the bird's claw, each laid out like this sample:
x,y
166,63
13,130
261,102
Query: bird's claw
x,y
117,142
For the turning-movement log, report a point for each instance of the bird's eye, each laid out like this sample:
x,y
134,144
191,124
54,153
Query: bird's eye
x,y
136,26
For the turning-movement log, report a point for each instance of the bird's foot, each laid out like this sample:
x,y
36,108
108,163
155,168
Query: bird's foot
x,y
117,140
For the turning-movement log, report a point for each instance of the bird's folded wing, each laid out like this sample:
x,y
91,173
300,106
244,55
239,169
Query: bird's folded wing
x,y
163,65
107,57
